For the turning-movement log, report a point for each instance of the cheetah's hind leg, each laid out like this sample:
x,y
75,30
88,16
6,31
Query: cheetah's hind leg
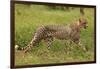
x,y
49,41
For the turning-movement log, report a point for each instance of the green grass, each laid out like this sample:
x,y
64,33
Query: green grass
x,y
29,18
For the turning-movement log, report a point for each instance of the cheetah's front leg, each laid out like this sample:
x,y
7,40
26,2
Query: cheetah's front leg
x,y
79,44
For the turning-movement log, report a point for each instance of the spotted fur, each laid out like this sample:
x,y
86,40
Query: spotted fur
x,y
50,32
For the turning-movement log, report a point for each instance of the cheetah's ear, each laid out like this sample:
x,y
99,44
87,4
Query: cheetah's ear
x,y
80,20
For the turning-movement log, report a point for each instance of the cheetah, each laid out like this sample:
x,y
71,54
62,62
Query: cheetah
x,y
50,32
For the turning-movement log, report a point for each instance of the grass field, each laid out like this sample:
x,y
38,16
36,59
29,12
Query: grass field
x,y
29,18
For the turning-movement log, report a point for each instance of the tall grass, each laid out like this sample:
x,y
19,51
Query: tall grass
x,y
29,18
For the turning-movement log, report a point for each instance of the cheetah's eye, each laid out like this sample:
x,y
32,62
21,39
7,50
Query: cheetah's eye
x,y
84,23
